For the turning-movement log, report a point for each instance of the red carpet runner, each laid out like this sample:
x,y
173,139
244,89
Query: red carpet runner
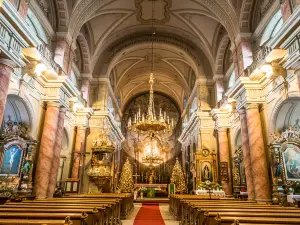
x,y
149,215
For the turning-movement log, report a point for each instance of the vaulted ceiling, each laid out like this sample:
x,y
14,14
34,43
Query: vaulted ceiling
x,y
185,43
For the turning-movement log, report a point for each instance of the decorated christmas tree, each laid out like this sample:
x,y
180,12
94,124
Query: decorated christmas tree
x,y
178,178
126,184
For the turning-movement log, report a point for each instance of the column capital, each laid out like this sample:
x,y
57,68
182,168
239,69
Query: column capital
x,y
222,129
8,62
218,77
63,110
241,111
252,106
52,104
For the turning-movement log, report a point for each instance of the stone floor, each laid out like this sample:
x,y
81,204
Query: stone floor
x,y
164,210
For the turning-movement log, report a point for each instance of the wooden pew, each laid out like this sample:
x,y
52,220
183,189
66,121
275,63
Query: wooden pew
x,y
255,220
190,211
113,212
94,215
126,204
35,222
213,218
77,218
97,214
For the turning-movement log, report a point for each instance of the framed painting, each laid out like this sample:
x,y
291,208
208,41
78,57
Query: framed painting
x,y
291,159
11,160
206,171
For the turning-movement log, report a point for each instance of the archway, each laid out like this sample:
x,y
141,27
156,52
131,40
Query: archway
x,y
17,110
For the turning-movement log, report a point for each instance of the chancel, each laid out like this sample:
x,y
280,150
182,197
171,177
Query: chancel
x,y
149,111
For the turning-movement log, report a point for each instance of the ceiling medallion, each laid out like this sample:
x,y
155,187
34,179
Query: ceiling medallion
x,y
162,11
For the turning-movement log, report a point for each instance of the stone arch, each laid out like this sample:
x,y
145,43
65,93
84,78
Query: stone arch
x,y
67,152
18,110
245,15
286,111
221,54
62,15
85,51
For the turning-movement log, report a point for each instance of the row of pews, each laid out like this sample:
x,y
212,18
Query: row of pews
x,y
100,209
200,210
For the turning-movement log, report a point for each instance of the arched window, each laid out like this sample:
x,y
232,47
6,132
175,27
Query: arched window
x,y
231,80
36,26
272,28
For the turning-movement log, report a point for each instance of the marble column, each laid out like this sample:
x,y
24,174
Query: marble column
x,y
46,153
56,153
79,142
224,157
258,155
246,154
6,70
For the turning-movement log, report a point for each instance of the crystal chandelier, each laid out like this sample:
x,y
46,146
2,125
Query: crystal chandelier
x,y
152,156
150,122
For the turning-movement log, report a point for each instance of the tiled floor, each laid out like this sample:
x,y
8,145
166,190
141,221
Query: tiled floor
x,y
164,210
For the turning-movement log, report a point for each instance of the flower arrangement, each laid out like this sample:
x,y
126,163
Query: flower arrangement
x,y
143,189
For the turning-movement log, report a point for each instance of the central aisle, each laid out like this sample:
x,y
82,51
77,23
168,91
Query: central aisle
x,y
149,214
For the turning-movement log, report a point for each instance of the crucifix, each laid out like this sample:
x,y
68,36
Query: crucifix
x,y
136,177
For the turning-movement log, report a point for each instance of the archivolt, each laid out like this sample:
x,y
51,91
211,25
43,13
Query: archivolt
x,y
84,47
220,54
62,14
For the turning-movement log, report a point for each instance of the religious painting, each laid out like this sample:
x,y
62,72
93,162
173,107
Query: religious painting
x,y
206,171
11,160
291,159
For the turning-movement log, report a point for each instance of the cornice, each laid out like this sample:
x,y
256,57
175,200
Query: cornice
x,y
246,91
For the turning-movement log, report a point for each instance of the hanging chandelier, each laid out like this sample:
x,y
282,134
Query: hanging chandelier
x,y
152,156
150,122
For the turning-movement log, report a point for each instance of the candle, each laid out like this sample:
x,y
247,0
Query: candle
x,y
160,114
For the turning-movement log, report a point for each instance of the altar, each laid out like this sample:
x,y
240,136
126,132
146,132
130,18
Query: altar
x,y
152,190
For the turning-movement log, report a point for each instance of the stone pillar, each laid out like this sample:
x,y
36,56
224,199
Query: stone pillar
x,y
80,141
23,8
45,157
258,156
6,70
85,90
246,154
56,154
242,54
64,54
224,157
286,9
219,86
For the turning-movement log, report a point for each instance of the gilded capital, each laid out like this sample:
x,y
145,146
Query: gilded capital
x,y
252,106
